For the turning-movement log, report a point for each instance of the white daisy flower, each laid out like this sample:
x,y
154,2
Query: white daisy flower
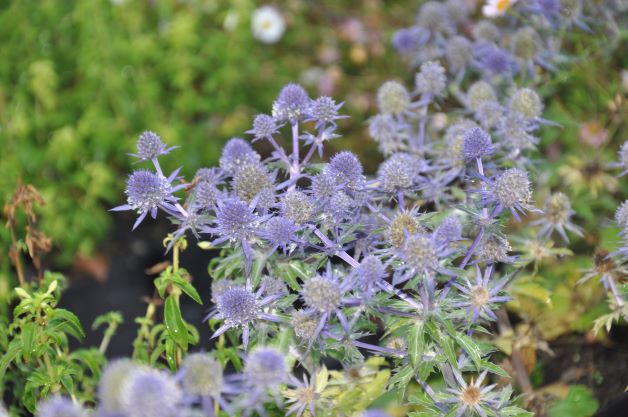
x,y
495,8
268,24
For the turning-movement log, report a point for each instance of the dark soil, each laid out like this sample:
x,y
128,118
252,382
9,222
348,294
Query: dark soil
x,y
128,255
603,368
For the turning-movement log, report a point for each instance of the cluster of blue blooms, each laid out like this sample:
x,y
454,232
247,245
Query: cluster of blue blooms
x,y
516,37
408,264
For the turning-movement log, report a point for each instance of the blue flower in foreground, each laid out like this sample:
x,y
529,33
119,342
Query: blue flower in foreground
x,y
147,192
264,371
57,406
202,377
323,296
150,393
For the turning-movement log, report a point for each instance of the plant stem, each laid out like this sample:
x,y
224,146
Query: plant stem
x,y
111,330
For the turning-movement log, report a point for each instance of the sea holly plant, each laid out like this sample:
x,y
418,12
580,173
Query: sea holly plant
x,y
319,261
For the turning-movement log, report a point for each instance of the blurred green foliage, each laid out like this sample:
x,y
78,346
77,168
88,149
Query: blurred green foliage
x,y
80,80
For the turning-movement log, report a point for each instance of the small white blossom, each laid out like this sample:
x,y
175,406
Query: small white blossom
x,y
268,24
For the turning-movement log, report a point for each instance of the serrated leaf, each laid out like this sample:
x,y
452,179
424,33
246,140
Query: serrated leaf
x,y
177,330
471,348
416,342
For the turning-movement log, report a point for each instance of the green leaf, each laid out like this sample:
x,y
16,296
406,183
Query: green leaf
x,y
174,322
90,358
514,411
72,323
492,368
471,348
171,354
109,317
28,339
161,282
416,342
9,356
579,402
186,287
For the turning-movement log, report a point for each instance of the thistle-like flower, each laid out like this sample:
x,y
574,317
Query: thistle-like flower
x,y
297,206
292,104
236,153
431,80
481,296
476,144
150,393
111,382
434,17
557,213
400,173
369,273
479,93
264,127
57,406
280,232
147,192
253,182
393,98
238,307
202,375
150,146
512,190
472,396
527,102
623,159
324,111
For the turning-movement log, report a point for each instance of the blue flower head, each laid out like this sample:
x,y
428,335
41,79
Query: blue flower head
x,y
476,144
57,406
150,146
202,375
265,369
111,382
346,167
264,127
150,393
409,40
292,104
324,111
147,192
236,153
431,79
